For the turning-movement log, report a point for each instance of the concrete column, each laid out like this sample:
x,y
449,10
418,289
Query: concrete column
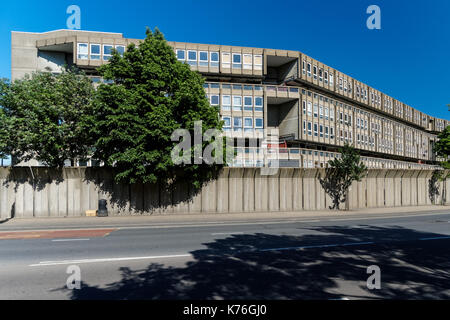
x,y
297,189
286,189
309,189
406,187
222,191
429,174
261,191
235,190
249,189
209,196
320,192
372,188
422,193
389,187
274,191
381,187
7,195
398,187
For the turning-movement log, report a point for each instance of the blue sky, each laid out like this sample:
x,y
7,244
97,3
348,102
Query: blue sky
x,y
409,58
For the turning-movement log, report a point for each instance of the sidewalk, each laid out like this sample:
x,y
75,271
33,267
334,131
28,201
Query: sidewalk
x,y
188,219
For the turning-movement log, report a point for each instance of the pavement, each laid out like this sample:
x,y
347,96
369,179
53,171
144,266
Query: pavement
x,y
307,255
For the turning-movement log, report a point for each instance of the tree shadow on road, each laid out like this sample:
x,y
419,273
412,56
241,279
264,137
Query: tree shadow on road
x,y
265,266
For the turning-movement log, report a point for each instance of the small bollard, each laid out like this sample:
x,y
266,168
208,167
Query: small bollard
x,y
102,210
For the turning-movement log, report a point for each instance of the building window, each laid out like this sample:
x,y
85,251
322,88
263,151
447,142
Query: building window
x,y
192,58
181,55
315,129
304,107
304,127
259,104
304,67
226,103
326,132
227,123
259,124
120,50
248,103
325,77
321,131
214,100
309,108
331,80
214,59
82,51
237,123
95,52
331,133
309,128
248,124
315,72
257,62
326,113
321,112
315,110
309,69
248,61
237,62
237,103
107,52
203,58
226,60
320,74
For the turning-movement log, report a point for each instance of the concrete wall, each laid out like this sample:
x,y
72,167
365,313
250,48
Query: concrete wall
x,y
75,190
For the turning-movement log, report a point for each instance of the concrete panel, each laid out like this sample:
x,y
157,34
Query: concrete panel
x,y
398,188
297,190
249,189
406,188
195,201
389,187
414,195
422,193
222,191
372,188
261,192
235,190
320,192
209,197
381,188
286,189
428,176
309,189
151,199
274,191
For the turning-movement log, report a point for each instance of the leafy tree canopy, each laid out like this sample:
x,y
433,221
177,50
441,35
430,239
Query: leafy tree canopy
x,y
442,147
151,96
41,117
341,173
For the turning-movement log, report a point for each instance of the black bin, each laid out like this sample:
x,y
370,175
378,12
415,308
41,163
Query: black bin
x,y
102,210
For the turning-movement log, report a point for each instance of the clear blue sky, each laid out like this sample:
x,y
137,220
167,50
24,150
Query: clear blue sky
x,y
409,58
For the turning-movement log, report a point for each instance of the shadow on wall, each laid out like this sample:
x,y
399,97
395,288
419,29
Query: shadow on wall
x,y
138,197
433,186
251,267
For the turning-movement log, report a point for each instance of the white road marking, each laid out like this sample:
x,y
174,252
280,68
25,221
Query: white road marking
x,y
226,233
63,240
63,262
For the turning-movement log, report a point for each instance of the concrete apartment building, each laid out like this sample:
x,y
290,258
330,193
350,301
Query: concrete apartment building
x,y
314,108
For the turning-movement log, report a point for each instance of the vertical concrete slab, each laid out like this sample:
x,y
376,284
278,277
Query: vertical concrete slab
x,y
195,200
41,191
165,200
274,191
222,191
73,192
261,192
389,185
235,190
352,200
414,188
398,187
320,192
297,189
428,175
136,199
7,195
309,189
422,188
151,199
362,195
381,188
372,190
209,197
181,197
249,189
286,189
406,188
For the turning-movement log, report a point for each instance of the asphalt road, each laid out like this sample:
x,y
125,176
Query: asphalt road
x,y
283,259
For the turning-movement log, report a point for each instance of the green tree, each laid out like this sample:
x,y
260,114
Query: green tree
x,y
151,95
341,173
442,147
42,116
5,130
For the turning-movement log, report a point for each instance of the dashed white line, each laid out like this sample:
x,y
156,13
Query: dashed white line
x,y
64,240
